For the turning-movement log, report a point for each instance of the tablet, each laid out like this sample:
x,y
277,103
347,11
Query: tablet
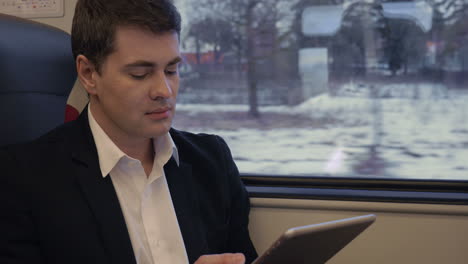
x,y
314,244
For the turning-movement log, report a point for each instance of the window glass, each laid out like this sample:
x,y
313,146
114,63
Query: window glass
x,y
312,87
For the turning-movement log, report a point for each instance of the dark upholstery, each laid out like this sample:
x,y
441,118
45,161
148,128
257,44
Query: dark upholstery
x,y
37,72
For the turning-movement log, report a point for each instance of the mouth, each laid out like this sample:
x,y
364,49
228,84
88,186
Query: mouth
x,y
159,114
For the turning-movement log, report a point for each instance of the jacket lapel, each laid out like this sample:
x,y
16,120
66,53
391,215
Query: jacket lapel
x,y
186,206
104,203
101,196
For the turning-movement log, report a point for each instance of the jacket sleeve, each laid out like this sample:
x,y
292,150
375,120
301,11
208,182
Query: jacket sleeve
x,y
238,237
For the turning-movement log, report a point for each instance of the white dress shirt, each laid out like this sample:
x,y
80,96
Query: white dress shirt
x,y
145,200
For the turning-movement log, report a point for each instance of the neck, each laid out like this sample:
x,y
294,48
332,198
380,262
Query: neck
x,y
138,148
142,150
143,153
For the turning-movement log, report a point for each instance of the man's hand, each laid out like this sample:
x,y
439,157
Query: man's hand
x,y
228,258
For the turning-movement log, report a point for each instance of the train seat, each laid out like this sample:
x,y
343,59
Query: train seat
x,y
37,72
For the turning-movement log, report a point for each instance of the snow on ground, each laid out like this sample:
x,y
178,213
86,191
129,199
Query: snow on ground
x,y
412,131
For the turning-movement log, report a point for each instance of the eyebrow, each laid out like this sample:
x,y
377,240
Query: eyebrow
x,y
148,64
175,61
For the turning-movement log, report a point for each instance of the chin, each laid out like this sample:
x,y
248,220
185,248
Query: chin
x,y
160,130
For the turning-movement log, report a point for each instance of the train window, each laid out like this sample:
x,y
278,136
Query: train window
x,y
330,88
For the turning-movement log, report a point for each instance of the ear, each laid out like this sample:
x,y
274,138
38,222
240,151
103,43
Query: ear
x,y
86,73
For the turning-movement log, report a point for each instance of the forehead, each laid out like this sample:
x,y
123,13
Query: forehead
x,y
134,43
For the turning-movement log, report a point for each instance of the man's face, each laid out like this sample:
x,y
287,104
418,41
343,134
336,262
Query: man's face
x,y
137,87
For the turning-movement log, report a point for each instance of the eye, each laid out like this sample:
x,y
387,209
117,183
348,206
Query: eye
x,y
170,72
172,69
138,76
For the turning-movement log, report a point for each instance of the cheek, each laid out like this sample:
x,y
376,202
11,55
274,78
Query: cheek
x,y
117,97
118,88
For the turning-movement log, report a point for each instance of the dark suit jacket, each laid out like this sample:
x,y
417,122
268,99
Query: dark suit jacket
x,y
57,208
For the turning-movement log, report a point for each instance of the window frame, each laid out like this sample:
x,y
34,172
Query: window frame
x,y
357,189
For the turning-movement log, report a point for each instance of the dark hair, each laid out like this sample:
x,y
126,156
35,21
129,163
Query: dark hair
x,y
95,23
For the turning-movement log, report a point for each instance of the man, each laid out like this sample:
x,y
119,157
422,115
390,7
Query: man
x,y
119,185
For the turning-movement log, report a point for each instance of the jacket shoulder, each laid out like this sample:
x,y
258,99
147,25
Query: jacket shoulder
x,y
199,142
52,142
201,148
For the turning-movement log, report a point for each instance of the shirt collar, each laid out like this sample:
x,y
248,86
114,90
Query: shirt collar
x,y
109,154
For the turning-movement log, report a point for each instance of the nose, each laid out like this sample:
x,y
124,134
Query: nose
x,y
160,87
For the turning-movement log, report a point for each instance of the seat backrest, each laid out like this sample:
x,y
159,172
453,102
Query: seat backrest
x,y
37,72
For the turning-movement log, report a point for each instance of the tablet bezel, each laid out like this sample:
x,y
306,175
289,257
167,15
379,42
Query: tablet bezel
x,y
315,244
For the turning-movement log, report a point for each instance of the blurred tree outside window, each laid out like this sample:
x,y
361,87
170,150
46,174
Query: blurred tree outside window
x,y
329,87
